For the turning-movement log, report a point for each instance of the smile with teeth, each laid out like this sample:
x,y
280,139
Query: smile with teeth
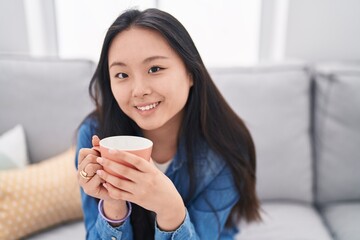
x,y
148,107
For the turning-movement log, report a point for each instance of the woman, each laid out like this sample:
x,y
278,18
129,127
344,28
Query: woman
x,y
150,81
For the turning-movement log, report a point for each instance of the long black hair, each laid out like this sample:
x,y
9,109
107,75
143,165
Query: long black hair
x,y
207,114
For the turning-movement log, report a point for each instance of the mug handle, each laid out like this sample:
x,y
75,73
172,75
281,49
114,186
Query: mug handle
x,y
96,148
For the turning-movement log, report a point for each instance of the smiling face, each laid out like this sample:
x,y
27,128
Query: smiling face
x,y
148,79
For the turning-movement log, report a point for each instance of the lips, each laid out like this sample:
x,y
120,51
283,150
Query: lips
x,y
147,107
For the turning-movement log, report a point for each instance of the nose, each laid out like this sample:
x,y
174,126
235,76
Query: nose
x,y
140,87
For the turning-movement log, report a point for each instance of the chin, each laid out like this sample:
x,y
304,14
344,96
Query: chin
x,y
148,127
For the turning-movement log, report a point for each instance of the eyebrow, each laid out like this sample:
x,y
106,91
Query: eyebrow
x,y
146,60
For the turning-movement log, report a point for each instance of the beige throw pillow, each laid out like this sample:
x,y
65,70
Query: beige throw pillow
x,y
39,196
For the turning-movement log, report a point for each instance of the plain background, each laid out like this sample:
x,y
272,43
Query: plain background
x,y
227,33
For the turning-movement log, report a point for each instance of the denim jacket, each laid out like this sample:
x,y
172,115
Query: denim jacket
x,y
206,212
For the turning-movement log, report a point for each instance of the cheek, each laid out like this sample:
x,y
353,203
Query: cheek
x,y
120,96
182,89
180,94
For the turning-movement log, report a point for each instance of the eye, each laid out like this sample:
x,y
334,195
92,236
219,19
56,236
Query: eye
x,y
121,75
154,69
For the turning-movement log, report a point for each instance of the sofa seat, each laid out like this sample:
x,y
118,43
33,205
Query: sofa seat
x,y
304,120
290,221
75,230
344,220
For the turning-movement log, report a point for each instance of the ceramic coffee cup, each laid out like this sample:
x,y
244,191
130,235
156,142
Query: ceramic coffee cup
x,y
139,146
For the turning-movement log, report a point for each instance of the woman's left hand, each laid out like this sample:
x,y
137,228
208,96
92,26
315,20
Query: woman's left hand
x,y
145,185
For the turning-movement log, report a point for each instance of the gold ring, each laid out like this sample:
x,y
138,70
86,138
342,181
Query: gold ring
x,y
84,175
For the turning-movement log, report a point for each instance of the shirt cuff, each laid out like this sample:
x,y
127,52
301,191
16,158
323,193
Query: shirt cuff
x,y
106,231
184,232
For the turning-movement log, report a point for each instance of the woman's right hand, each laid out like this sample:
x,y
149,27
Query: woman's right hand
x,y
87,165
92,184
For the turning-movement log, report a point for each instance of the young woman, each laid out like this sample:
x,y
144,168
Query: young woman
x,y
151,82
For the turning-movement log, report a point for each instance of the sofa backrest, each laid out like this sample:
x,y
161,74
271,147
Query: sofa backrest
x,y
337,132
48,97
274,102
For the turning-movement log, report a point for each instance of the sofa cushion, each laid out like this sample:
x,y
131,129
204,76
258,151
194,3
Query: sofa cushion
x,y
39,196
337,128
286,221
13,150
48,97
343,220
274,103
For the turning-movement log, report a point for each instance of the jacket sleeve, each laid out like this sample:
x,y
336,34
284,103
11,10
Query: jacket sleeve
x,y
207,214
96,227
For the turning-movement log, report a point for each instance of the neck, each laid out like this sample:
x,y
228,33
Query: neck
x,y
165,140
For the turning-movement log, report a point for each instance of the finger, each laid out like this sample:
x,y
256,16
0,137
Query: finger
x,y
86,161
91,182
117,193
96,143
95,140
136,161
90,170
121,169
94,187
83,152
120,183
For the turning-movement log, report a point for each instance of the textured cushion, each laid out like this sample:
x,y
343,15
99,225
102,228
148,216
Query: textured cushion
x,y
337,126
39,196
282,221
13,151
48,97
344,220
274,103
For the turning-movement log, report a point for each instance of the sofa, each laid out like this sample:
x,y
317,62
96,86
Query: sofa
x,y
304,118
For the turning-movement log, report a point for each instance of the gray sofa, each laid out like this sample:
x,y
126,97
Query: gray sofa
x,y
305,121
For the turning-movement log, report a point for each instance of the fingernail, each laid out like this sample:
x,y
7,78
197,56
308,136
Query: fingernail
x,y
99,160
99,172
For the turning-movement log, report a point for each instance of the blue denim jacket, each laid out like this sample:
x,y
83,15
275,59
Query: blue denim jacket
x,y
214,192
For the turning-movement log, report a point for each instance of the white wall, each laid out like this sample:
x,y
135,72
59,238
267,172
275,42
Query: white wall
x,y
225,32
323,30
273,30
13,32
41,27
82,24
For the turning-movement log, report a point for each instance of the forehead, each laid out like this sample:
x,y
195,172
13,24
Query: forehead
x,y
138,43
